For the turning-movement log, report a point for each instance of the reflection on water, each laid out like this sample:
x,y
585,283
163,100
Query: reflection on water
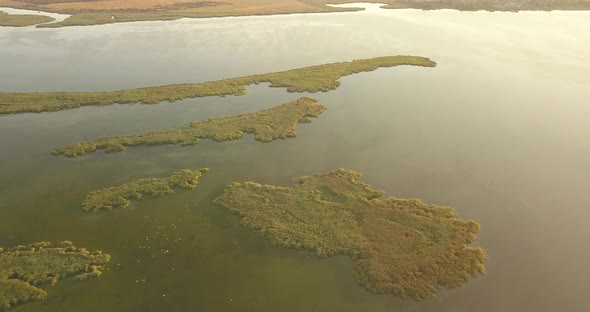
x,y
498,130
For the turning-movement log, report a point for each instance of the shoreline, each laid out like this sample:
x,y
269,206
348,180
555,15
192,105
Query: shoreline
x,y
37,17
66,17
324,78
23,20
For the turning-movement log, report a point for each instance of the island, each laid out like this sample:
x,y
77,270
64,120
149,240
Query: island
x,y
402,247
119,196
309,79
275,123
20,20
24,269
94,12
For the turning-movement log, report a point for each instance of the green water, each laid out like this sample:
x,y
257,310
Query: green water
x,y
498,131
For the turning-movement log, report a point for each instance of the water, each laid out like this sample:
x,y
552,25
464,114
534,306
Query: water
x,y
498,131
56,16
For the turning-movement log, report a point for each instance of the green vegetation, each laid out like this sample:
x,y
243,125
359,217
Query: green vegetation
x,y
119,196
22,20
100,18
267,125
399,246
25,268
309,79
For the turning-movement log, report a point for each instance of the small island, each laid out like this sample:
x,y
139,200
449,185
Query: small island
x,y
279,122
23,269
321,78
13,20
119,196
402,247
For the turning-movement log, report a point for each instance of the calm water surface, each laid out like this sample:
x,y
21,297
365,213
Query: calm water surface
x,y
498,131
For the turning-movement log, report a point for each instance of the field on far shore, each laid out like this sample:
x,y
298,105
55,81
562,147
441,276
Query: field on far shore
x,y
95,12
176,6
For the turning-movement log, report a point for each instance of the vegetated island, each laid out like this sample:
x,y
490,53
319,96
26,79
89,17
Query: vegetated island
x,y
279,122
399,246
119,196
93,12
23,269
308,79
13,20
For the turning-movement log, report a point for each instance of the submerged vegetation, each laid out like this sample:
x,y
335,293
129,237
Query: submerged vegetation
x,y
119,196
321,78
12,20
23,269
399,246
267,125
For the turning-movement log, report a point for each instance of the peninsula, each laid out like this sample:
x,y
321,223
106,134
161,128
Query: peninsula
x,y
23,269
279,122
399,246
321,78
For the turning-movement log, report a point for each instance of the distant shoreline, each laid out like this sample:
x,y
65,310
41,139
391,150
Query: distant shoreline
x,y
89,13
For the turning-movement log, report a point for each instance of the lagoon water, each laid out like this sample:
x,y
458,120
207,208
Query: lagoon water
x,y
498,131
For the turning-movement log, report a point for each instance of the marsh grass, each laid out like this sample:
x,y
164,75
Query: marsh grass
x,y
279,122
13,20
23,269
399,246
321,78
120,196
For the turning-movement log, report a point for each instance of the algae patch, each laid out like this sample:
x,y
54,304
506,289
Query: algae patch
x,y
321,78
399,246
279,122
23,269
119,196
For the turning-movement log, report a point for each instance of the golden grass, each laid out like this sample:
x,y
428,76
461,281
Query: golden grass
x,y
119,196
320,78
279,122
23,269
399,246
118,5
22,20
